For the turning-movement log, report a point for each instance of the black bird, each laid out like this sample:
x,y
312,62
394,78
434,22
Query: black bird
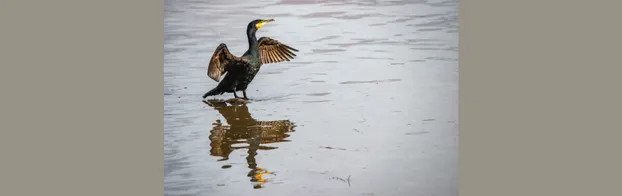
x,y
241,70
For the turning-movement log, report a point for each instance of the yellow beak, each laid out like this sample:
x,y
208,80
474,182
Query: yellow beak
x,y
263,22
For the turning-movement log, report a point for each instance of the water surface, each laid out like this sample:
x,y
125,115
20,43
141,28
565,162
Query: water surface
x,y
369,106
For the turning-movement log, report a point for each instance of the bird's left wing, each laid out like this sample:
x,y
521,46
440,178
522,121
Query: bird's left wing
x,y
221,60
273,51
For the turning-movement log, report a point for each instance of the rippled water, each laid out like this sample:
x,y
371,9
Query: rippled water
x,y
369,106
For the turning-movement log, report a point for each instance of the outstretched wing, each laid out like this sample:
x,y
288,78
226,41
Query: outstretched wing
x,y
220,61
273,51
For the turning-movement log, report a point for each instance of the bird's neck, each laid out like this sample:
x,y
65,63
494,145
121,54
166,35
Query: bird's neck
x,y
252,42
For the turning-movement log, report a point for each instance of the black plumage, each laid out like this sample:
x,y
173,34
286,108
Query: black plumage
x,y
240,71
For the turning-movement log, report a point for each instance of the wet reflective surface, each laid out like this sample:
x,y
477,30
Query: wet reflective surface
x,y
368,107
245,132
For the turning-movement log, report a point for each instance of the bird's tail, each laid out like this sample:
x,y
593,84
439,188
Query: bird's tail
x,y
215,91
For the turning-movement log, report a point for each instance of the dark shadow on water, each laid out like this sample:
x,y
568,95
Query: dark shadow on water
x,y
241,129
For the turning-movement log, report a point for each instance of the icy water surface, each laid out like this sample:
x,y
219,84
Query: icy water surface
x,y
368,107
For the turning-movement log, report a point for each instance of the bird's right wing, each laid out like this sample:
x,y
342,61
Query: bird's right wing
x,y
273,51
220,61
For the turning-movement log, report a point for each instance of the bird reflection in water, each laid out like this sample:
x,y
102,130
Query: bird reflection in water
x,y
244,129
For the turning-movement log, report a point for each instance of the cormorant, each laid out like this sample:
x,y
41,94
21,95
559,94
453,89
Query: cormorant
x,y
241,70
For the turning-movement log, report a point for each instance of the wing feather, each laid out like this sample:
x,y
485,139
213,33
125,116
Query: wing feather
x,y
220,61
284,54
273,51
274,58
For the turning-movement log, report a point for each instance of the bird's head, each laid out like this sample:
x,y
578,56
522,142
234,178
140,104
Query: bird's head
x,y
255,25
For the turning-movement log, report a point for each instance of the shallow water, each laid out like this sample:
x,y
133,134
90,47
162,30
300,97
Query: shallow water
x,y
368,107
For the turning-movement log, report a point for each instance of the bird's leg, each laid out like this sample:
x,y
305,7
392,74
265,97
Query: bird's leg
x,y
244,93
234,90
